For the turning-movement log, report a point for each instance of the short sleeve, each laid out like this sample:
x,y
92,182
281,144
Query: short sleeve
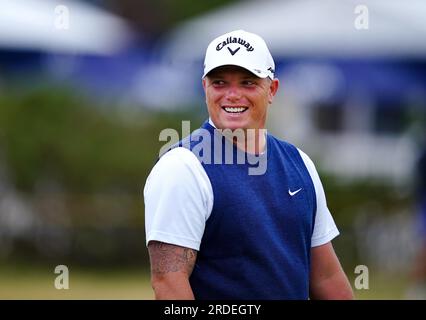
x,y
325,228
178,200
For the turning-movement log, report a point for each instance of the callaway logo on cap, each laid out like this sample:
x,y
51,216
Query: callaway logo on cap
x,y
243,49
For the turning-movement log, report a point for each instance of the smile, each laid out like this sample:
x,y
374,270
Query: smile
x,y
234,109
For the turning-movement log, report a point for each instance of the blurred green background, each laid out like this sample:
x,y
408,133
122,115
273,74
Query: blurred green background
x,y
74,184
73,193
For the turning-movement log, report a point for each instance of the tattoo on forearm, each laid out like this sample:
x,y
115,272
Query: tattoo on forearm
x,y
170,258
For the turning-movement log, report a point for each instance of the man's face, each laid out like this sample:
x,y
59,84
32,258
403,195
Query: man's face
x,y
236,98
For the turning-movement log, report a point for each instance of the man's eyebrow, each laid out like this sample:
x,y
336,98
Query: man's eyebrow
x,y
215,75
221,75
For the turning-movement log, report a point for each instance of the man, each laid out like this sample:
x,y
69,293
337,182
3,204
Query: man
x,y
215,229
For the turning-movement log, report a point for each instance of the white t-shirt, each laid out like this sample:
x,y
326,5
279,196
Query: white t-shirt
x,y
179,200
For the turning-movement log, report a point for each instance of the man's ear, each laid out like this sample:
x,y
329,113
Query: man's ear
x,y
273,89
204,83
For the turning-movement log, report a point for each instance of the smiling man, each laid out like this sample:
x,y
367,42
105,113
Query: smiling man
x,y
215,231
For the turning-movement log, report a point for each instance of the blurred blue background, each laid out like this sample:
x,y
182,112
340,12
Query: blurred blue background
x,y
87,86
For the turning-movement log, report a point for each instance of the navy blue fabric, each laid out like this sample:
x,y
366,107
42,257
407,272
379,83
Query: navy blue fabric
x,y
257,240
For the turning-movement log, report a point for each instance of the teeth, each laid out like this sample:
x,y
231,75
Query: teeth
x,y
235,110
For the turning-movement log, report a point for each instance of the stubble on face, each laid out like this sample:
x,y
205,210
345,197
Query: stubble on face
x,y
232,88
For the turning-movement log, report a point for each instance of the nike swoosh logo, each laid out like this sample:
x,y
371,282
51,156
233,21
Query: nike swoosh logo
x,y
292,193
233,51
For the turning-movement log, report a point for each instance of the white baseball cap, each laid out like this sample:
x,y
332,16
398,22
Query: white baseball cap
x,y
243,49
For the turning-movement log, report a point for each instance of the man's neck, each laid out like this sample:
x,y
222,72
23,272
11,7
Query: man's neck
x,y
253,140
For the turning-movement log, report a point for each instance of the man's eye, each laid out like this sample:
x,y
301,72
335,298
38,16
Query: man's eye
x,y
218,82
248,83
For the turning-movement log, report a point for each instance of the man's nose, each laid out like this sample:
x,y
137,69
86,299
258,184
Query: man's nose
x,y
233,93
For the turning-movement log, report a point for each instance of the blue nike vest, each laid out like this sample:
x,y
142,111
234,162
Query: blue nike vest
x,y
257,240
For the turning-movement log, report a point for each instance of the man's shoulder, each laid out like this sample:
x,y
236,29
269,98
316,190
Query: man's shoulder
x,y
175,162
195,137
296,150
283,143
177,154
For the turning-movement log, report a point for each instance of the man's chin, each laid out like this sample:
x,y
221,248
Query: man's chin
x,y
234,125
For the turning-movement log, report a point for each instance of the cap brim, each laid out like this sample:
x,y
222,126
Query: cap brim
x,y
258,73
